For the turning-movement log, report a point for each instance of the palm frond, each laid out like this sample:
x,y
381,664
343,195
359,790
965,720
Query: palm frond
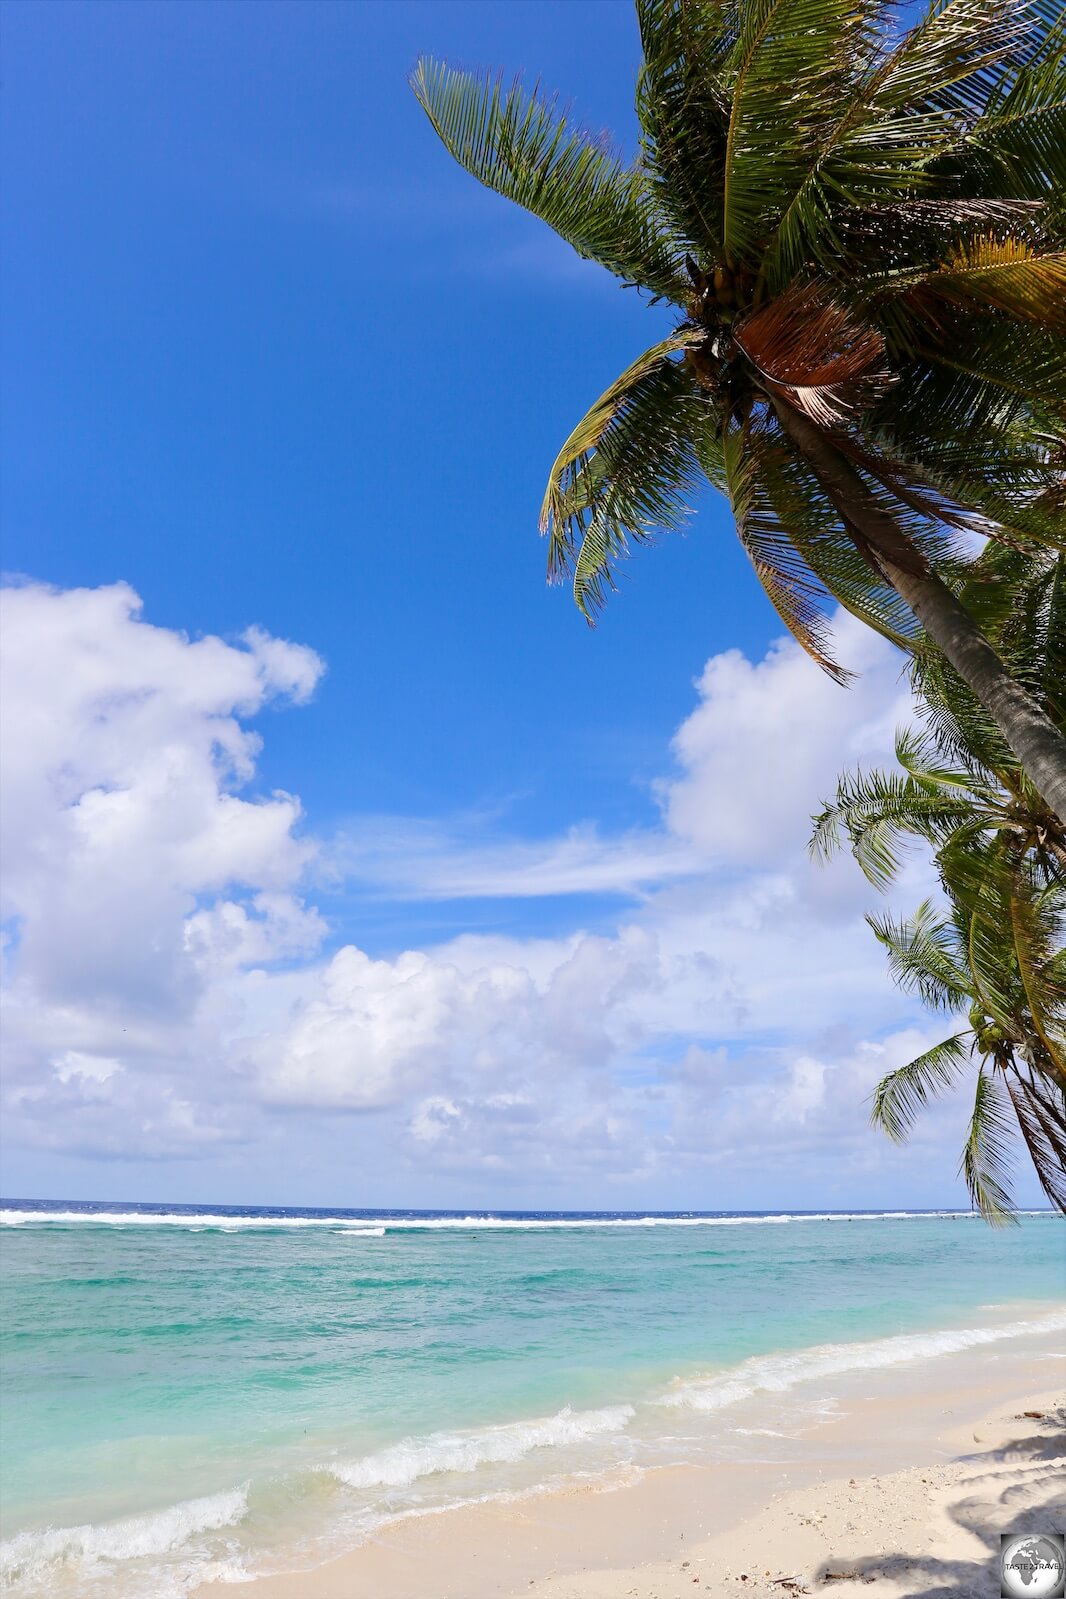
x,y
913,102
883,815
629,470
683,107
1040,1121
784,573
986,1163
961,55
528,150
922,757
1006,275
1038,922
924,957
815,353
1017,146
990,955
983,369
786,73
987,486
867,812
826,543
903,1094
587,436
1000,950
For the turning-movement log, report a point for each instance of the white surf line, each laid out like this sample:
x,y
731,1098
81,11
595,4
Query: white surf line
x,y
778,1373
374,1226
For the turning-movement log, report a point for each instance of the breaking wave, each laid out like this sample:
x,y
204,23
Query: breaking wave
x,y
195,1221
402,1464
35,1557
777,1373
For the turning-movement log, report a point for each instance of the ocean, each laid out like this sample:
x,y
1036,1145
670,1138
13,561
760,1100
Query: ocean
x,y
189,1392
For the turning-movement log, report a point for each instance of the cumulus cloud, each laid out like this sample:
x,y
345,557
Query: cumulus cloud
x,y
173,990
715,1121
135,869
473,1011
768,739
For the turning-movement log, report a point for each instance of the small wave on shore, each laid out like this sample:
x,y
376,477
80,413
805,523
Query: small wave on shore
x,y
164,1553
402,1464
35,1559
777,1373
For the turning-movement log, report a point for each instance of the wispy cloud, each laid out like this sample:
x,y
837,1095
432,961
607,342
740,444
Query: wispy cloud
x,y
412,859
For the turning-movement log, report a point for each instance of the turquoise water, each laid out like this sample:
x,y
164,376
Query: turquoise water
x,y
191,1392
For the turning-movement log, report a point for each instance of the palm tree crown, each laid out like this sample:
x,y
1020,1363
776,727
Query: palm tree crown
x,y
863,236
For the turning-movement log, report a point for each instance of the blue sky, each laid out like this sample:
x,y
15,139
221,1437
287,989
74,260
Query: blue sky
x,y
274,354
274,363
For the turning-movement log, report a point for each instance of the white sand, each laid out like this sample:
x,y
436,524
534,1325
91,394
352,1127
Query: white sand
x,y
932,1530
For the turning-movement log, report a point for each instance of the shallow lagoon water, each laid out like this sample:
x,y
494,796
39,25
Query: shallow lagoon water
x,y
187,1391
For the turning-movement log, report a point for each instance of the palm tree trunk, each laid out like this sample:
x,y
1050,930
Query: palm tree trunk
x,y
1038,744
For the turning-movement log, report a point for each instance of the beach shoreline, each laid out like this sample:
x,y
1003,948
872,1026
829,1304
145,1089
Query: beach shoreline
x,y
467,1411
905,1493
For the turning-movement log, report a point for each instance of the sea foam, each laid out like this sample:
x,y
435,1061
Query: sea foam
x,y
196,1221
777,1373
404,1463
32,1556
376,1226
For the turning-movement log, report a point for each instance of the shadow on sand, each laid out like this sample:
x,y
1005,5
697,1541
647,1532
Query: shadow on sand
x,y
1033,1500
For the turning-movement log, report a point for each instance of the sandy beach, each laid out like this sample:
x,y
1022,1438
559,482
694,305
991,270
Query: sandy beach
x,y
938,1471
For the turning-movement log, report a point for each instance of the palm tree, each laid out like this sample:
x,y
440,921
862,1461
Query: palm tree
x,y
863,240
1000,854
998,954
1011,979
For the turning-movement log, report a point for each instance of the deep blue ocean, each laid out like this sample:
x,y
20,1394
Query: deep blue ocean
x,y
187,1391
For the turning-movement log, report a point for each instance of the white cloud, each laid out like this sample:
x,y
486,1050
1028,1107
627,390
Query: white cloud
x,y
409,858
167,993
768,739
135,872
94,1068
376,1030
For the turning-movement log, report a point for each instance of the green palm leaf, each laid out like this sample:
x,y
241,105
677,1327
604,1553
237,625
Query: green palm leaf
x,y
560,503
786,73
999,950
630,468
1005,274
526,149
683,105
1019,143
986,1155
903,1094
888,132
817,535
924,957
1039,1111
